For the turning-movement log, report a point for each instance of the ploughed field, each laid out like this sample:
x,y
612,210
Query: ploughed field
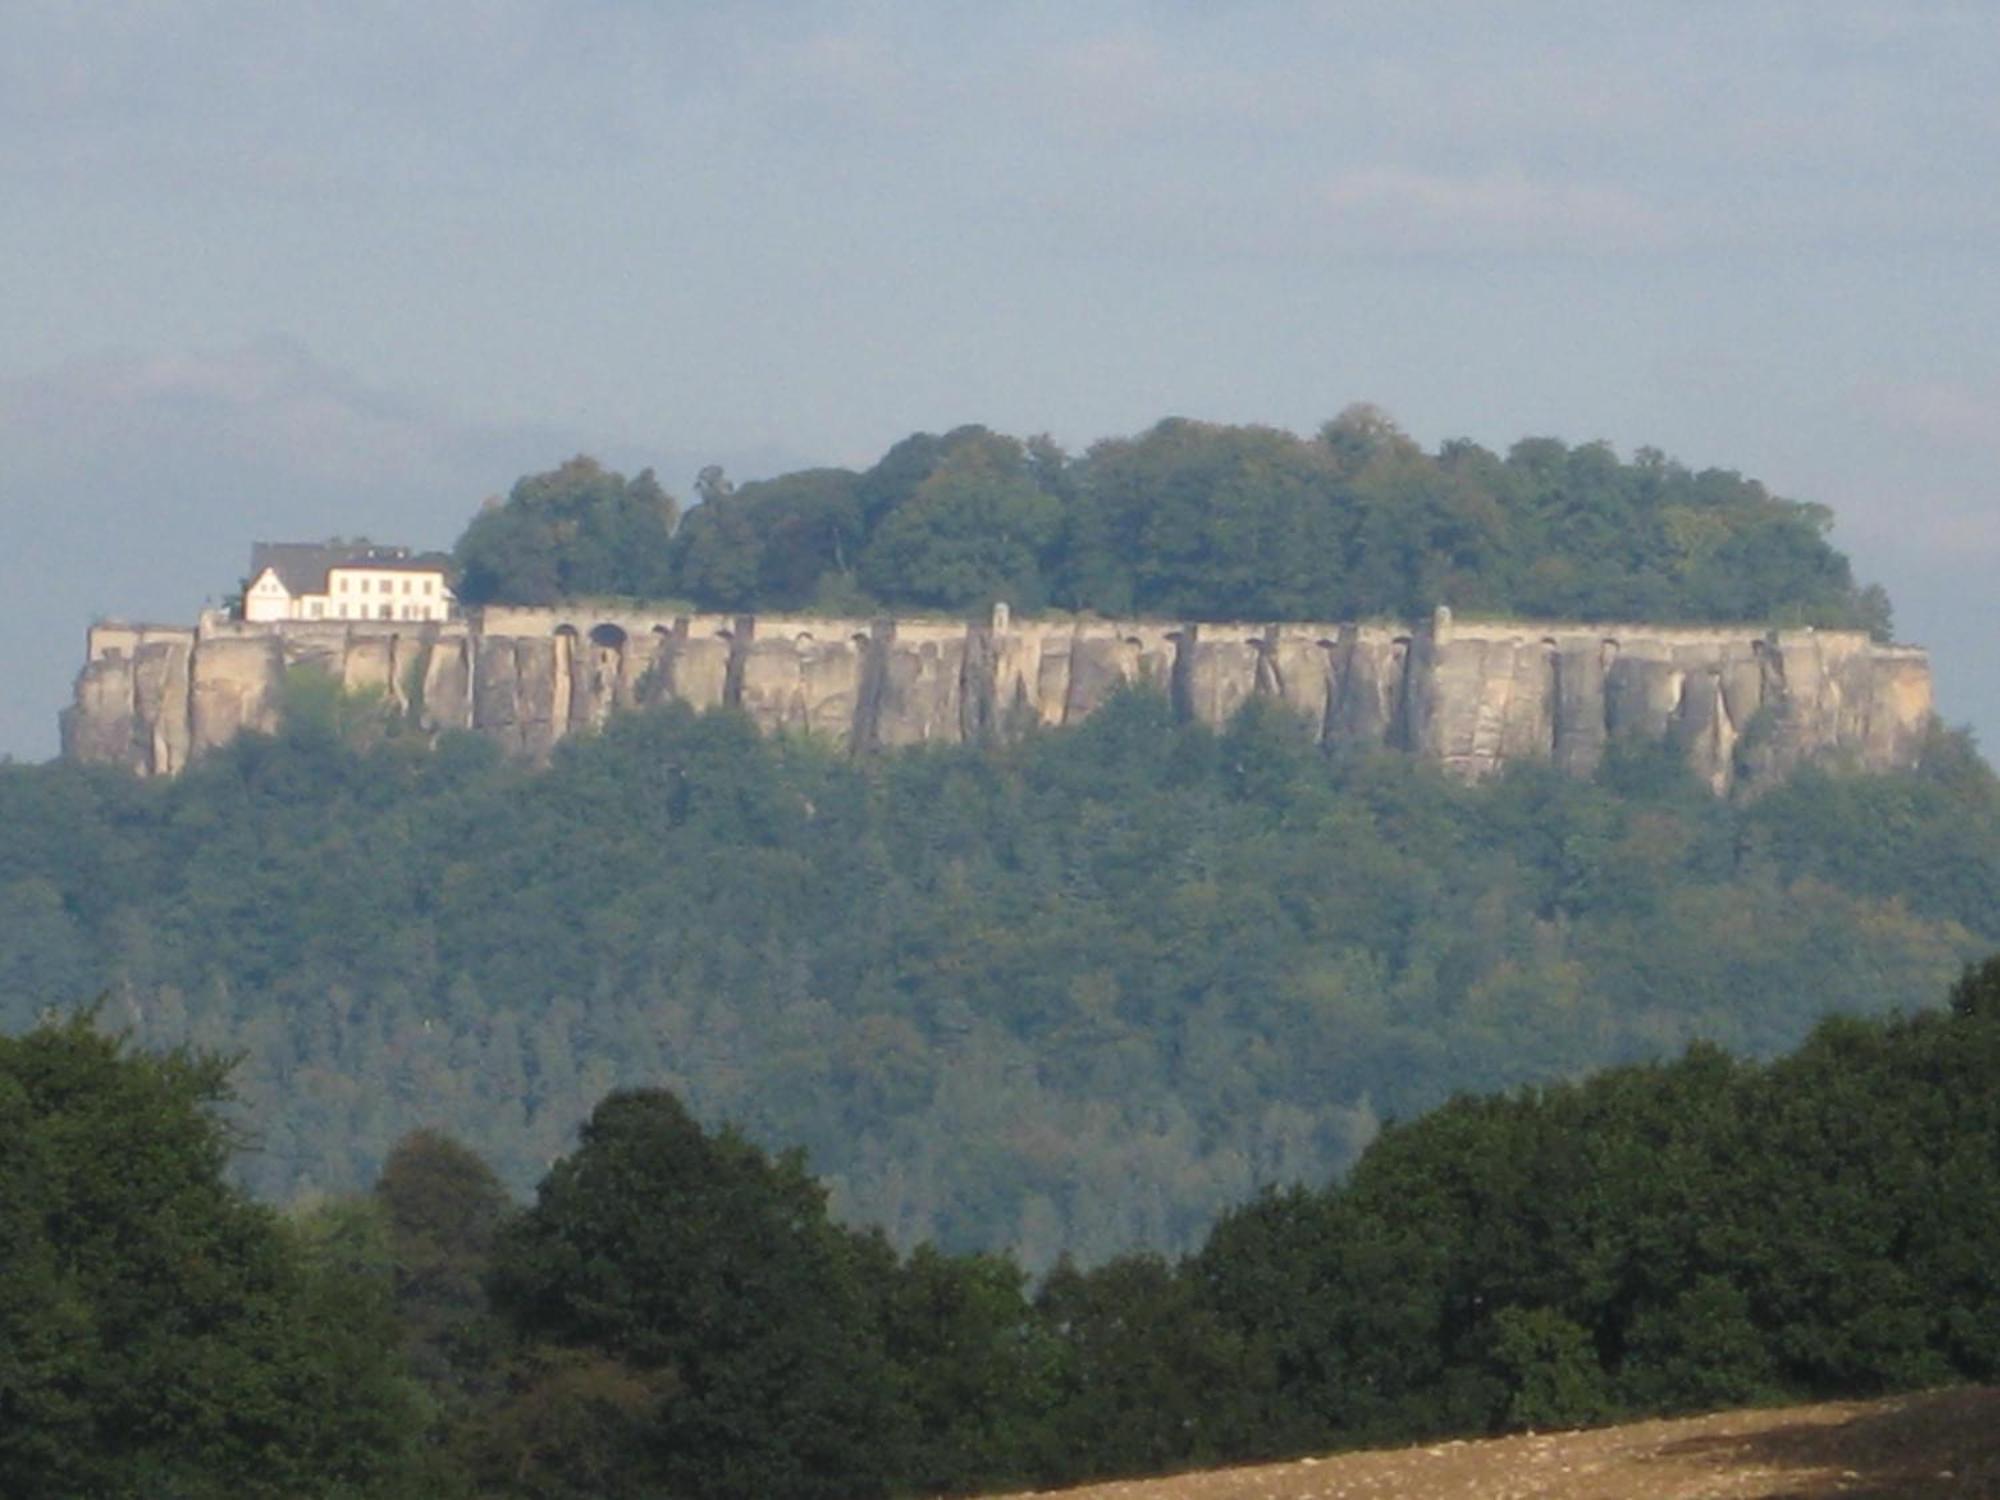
x,y
1941,1443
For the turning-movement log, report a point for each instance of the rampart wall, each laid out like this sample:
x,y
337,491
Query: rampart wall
x,y
1473,696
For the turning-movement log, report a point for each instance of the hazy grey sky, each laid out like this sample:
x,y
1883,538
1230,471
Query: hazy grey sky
x,y
286,270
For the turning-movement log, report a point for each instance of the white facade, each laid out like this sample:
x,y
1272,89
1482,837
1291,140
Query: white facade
x,y
378,593
267,598
371,590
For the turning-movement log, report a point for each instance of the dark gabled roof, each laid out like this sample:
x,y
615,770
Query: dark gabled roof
x,y
302,567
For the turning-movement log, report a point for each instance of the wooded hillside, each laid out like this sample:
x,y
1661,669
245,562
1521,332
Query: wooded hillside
x,y
1079,994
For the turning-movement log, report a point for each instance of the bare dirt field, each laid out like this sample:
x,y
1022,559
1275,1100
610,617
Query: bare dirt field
x,y
1942,1443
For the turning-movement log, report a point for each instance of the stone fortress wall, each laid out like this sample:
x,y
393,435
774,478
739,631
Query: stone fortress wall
x,y
1471,695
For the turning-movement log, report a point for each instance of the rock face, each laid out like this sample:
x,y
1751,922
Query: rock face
x,y
1737,701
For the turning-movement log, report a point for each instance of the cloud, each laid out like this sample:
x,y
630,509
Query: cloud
x,y
1395,208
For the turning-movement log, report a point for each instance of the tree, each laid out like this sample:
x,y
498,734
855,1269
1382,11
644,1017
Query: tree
x,y
717,552
159,1333
1140,1364
974,1366
769,544
1212,522
975,530
575,531
444,1208
712,1271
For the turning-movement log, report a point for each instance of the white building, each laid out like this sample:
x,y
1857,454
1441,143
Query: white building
x,y
346,581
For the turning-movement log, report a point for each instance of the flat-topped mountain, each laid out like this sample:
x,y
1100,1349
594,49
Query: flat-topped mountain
x,y
1473,696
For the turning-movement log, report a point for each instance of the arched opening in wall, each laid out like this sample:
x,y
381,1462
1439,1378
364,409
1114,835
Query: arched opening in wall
x,y
566,633
610,637
803,638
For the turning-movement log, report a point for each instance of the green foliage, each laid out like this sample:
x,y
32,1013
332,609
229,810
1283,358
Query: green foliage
x,y
1670,1237
975,1371
1195,520
1140,1368
1081,994
441,1209
160,1334
780,544
696,1260
1654,1239
974,531
314,705
577,530
1548,1368
570,1425
677,1314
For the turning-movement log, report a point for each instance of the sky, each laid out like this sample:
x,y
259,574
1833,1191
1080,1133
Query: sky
x,y
282,272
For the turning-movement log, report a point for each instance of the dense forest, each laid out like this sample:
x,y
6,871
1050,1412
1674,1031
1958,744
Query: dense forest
x,y
1077,994
677,1315
1188,520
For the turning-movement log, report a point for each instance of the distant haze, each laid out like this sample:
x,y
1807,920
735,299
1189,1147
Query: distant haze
x,y
275,272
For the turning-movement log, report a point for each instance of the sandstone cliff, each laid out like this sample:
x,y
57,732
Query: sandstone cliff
x,y
1471,695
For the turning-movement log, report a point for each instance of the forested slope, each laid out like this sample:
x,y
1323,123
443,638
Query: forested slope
x,y
1081,993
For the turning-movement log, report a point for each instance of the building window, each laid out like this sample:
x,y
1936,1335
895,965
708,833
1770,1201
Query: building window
x,y
430,585
343,611
388,611
318,609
